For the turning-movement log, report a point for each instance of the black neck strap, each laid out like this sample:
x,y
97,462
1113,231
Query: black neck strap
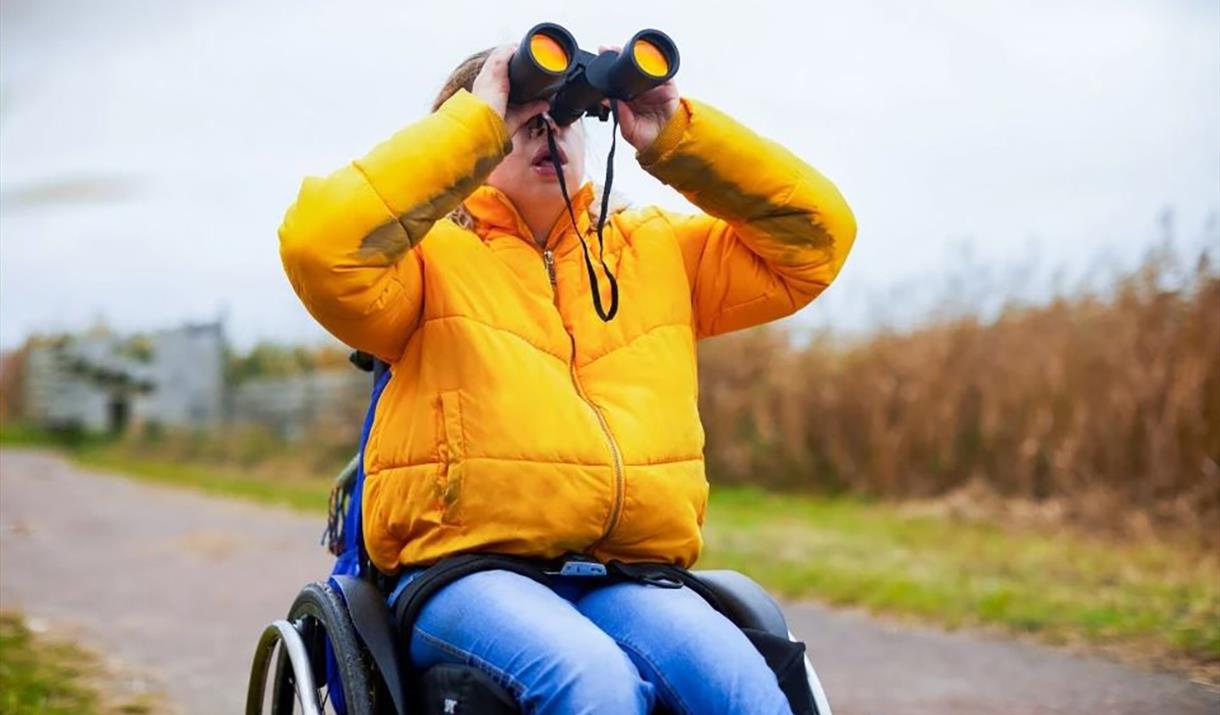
x,y
602,313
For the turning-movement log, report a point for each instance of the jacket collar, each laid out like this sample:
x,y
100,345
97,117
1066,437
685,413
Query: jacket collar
x,y
493,212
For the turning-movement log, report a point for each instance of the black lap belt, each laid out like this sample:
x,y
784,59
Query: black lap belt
x,y
412,599
444,572
665,576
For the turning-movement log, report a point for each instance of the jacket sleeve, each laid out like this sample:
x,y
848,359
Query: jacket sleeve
x,y
348,244
775,234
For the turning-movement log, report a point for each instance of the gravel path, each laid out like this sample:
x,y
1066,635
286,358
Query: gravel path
x,y
179,585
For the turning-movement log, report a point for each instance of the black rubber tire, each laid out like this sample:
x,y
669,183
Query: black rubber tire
x,y
320,614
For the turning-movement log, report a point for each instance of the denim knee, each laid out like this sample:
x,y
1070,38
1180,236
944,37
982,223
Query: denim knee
x,y
592,678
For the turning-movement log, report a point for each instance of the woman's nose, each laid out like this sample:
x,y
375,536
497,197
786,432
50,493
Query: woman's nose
x,y
535,126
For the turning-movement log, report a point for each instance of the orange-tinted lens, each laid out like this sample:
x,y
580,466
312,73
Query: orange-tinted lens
x,y
548,53
650,59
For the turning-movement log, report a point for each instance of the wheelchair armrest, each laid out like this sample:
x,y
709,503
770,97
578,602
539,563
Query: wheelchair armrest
x,y
745,602
371,618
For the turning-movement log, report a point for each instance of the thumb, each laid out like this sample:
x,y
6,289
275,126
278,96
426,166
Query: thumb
x,y
626,116
519,114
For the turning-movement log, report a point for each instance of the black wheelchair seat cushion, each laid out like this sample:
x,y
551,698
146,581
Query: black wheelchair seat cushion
x,y
744,601
448,689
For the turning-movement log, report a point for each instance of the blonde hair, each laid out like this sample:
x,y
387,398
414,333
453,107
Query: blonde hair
x,y
463,77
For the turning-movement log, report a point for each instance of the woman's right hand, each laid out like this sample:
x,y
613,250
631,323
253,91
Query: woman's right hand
x,y
491,85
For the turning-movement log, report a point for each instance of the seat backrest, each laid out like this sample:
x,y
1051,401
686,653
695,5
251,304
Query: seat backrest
x,y
345,520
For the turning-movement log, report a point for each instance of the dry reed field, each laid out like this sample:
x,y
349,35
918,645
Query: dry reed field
x,y
1103,407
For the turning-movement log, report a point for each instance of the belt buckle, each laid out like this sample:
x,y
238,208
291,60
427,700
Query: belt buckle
x,y
581,568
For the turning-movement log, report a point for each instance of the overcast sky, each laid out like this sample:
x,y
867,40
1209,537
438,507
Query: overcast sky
x,y
148,150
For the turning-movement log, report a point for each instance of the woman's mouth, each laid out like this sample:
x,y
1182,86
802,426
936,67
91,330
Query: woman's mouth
x,y
544,165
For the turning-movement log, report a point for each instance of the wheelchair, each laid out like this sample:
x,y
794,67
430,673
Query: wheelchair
x,y
341,648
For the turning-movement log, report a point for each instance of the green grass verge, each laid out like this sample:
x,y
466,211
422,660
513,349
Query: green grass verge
x,y
42,678
302,494
1160,600
24,435
290,489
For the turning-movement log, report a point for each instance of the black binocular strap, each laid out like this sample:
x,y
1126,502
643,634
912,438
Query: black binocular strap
x,y
602,313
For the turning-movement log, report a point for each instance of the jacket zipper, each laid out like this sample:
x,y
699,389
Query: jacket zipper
x,y
548,259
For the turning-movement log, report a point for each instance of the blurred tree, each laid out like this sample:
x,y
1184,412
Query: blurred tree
x,y
268,359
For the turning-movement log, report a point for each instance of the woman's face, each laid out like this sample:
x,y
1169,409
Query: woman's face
x,y
527,175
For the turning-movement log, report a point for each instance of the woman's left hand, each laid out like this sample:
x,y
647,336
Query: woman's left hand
x,y
643,118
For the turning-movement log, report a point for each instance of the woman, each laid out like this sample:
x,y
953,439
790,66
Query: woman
x,y
517,420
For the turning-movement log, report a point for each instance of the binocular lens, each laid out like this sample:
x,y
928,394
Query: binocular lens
x,y
548,53
650,58
539,66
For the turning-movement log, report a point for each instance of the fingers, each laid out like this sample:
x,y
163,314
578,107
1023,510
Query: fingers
x,y
519,114
609,48
491,84
502,54
626,119
529,110
665,89
497,61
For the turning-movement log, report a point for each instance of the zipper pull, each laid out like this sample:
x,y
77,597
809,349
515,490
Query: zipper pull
x,y
548,258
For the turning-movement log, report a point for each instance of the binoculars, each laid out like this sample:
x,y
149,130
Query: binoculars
x,y
548,64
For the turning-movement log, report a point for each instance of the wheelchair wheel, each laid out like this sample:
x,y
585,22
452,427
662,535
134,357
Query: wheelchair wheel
x,y
320,616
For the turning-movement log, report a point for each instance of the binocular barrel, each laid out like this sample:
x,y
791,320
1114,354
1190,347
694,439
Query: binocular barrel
x,y
548,64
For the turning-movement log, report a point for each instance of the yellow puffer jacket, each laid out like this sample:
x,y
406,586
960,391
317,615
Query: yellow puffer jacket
x,y
516,420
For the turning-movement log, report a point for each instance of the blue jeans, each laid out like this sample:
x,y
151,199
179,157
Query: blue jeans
x,y
588,648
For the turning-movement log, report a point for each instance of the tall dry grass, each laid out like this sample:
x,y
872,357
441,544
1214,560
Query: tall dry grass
x,y
1109,403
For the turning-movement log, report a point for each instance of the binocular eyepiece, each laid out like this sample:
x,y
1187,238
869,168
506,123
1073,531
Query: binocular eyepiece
x,y
548,64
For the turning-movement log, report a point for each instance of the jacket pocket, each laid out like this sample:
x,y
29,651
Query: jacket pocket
x,y
453,452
